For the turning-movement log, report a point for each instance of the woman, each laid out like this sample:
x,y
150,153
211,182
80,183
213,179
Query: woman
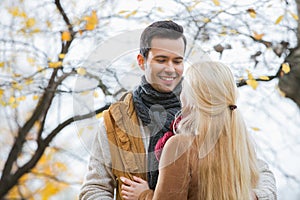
x,y
211,157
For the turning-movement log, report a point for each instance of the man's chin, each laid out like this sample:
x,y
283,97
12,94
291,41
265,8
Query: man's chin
x,y
165,89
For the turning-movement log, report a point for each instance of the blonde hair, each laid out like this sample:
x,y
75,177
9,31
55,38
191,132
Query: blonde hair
x,y
227,160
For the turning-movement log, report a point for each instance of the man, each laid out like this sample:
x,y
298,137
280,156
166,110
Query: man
x,y
131,127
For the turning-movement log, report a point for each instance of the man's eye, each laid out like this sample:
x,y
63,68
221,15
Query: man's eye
x,y
177,62
160,61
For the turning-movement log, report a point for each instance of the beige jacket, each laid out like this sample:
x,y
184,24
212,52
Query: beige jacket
x,y
125,141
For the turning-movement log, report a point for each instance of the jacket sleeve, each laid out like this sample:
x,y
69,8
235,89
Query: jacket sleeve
x,y
99,182
266,189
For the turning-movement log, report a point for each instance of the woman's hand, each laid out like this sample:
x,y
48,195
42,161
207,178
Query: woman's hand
x,y
131,190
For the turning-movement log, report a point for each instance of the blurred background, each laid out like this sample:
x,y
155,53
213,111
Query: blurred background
x,y
63,62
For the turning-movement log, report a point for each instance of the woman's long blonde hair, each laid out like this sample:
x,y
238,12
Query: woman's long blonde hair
x,y
227,159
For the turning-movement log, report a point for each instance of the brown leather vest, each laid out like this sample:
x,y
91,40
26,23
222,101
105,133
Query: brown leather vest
x,y
125,141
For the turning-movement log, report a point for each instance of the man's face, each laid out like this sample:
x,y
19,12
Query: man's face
x,y
164,64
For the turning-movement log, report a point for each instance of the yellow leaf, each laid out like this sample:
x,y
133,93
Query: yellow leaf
x,y
216,2
85,92
285,67
294,16
1,92
23,187
16,86
43,159
159,9
90,26
55,64
28,81
30,22
255,128
130,14
36,30
3,103
61,55
252,12
14,193
233,31
49,24
250,76
2,64
11,100
190,8
66,36
15,11
281,93
60,166
223,33
258,36
49,190
99,115
206,20
253,83
35,97
24,178
91,21
81,71
30,60
278,20
96,95
16,75
23,14
123,11
37,125
265,78
21,98
39,69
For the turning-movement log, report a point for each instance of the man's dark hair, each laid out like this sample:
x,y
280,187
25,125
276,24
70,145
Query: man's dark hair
x,y
160,29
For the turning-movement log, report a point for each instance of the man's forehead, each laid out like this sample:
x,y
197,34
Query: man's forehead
x,y
162,55
174,46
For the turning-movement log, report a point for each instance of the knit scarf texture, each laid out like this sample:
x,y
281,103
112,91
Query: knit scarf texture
x,y
156,110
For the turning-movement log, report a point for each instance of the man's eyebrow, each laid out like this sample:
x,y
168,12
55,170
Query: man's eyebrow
x,y
179,57
162,56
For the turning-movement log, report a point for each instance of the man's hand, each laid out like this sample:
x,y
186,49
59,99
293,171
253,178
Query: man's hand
x,y
131,190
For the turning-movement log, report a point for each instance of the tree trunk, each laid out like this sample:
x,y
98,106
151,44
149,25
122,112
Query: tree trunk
x,y
290,83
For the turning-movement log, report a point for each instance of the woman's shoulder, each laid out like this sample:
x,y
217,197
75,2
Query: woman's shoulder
x,y
179,143
177,147
181,139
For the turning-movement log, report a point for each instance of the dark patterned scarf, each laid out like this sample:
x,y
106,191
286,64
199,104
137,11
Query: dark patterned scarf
x,y
156,110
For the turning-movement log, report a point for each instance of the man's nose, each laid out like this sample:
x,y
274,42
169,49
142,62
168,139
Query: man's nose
x,y
170,67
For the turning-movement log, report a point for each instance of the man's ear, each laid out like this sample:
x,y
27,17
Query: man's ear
x,y
141,61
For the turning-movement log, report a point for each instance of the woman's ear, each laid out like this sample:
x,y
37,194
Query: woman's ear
x,y
141,61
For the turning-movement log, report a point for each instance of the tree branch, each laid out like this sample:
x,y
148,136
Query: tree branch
x,y
49,138
244,81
